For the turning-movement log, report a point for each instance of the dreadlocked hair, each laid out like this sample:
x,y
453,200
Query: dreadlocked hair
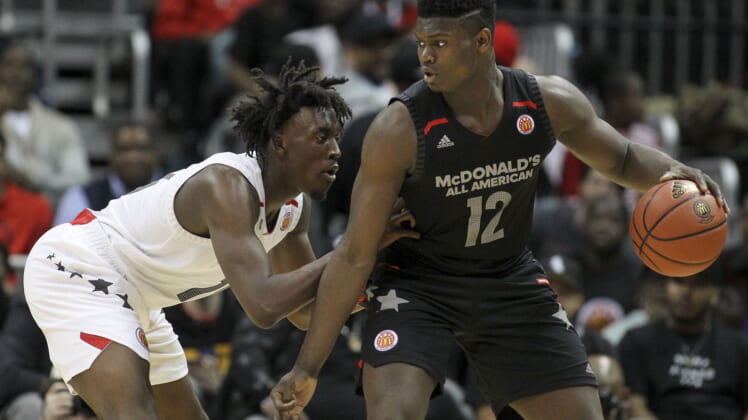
x,y
259,119
458,8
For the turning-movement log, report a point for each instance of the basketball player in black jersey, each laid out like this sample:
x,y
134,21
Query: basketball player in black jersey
x,y
464,148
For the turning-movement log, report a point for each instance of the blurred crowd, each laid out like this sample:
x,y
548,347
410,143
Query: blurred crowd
x,y
662,348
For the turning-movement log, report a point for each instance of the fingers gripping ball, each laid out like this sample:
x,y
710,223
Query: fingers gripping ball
x,y
676,230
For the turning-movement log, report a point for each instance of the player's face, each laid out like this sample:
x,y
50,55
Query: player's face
x,y
446,51
689,298
311,139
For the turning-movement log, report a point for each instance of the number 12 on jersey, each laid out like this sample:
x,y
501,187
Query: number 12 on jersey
x,y
497,201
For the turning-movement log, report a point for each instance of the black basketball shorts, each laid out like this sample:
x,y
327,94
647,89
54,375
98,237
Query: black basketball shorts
x,y
512,329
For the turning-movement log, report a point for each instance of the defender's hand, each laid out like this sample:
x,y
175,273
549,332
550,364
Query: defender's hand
x,y
401,225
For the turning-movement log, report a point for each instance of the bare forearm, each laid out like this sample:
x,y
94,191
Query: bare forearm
x,y
281,294
339,290
642,167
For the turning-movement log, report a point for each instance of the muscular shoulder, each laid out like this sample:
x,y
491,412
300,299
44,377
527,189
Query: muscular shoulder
x,y
566,105
392,136
393,122
217,191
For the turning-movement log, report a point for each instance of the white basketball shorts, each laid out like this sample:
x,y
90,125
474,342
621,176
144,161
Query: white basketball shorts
x,y
82,302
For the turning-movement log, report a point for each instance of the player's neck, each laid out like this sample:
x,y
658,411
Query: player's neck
x,y
277,189
482,90
480,99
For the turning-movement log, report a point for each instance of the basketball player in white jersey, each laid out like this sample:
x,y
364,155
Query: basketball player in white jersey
x,y
96,285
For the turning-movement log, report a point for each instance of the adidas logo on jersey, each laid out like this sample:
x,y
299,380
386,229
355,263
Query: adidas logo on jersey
x,y
444,142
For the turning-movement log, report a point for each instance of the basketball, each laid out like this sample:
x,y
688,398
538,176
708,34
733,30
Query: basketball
x,y
676,230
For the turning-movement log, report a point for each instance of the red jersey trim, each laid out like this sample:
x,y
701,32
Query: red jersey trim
x,y
83,217
432,123
531,104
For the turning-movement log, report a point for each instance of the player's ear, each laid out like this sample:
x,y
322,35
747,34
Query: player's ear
x,y
278,144
483,40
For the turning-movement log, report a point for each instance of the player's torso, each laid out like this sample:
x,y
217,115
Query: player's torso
x,y
472,194
167,263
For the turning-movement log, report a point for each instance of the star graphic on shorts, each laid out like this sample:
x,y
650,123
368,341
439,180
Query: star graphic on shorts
x,y
100,285
50,256
561,315
74,274
124,299
370,292
391,301
60,267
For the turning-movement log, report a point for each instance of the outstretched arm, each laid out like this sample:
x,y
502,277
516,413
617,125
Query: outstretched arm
x,y
603,148
220,203
388,153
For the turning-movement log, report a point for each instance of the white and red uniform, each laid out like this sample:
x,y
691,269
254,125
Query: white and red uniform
x,y
106,275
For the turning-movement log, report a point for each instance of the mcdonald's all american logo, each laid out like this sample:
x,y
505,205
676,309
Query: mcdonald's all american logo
x,y
385,340
286,221
525,124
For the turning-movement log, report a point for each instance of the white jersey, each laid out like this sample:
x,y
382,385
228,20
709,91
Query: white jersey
x,y
163,261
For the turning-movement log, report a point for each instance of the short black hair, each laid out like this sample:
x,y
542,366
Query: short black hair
x,y
258,119
485,18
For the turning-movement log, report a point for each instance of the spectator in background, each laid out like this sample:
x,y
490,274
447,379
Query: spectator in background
x,y
205,328
259,31
687,366
651,306
190,62
367,49
42,144
133,162
24,214
608,262
556,220
24,364
330,17
623,97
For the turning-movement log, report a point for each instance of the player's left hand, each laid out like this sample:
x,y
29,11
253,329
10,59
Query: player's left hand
x,y
402,225
705,183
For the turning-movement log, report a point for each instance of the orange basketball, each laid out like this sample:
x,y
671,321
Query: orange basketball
x,y
676,230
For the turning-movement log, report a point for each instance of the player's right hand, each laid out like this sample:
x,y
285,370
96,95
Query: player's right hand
x,y
292,394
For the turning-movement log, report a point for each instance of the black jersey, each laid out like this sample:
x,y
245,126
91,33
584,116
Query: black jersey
x,y
473,194
688,378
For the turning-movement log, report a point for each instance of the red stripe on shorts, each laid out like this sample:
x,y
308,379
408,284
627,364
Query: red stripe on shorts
x,y
83,217
542,281
95,340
